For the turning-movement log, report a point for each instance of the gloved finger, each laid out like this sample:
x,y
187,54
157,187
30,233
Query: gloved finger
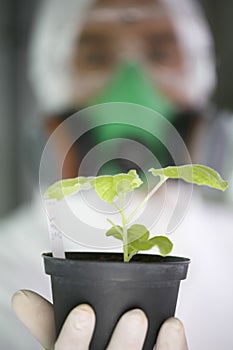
x,y
77,330
36,313
171,336
130,331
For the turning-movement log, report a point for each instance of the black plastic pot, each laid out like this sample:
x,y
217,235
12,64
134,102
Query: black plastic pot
x,y
112,287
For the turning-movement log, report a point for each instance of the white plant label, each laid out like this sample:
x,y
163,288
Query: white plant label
x,y
56,236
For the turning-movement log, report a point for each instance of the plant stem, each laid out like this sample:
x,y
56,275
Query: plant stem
x,y
149,195
124,229
125,238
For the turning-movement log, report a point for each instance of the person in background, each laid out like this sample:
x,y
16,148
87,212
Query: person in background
x,y
87,52
152,53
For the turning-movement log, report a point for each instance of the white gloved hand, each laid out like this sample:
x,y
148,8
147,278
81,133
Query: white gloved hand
x,y
36,314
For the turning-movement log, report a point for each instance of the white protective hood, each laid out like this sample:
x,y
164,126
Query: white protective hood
x,y
56,29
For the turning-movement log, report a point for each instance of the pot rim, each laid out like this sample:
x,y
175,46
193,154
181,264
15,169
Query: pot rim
x,y
166,269
94,257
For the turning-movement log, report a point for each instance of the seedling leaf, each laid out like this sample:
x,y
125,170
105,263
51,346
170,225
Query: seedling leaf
x,y
163,243
115,232
193,173
109,188
133,233
137,231
63,188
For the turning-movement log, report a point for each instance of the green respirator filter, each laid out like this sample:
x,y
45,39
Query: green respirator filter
x,y
131,84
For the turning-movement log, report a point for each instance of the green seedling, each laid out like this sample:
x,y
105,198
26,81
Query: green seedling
x,y
113,190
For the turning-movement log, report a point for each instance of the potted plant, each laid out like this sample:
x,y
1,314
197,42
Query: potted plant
x,y
113,283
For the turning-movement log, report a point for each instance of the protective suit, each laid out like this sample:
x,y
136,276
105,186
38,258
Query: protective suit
x,y
204,304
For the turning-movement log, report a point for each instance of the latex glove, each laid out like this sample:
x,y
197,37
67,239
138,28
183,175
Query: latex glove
x,y
36,314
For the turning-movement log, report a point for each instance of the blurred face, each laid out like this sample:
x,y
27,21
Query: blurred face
x,y
119,31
